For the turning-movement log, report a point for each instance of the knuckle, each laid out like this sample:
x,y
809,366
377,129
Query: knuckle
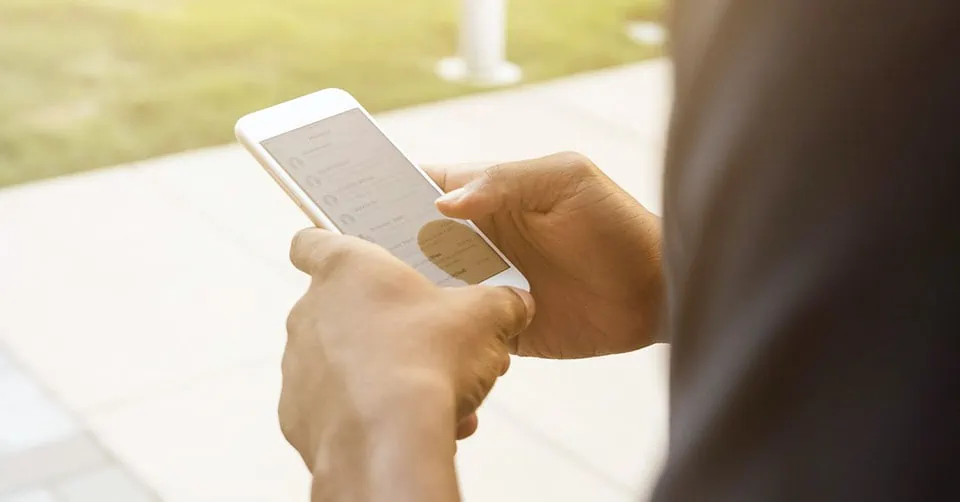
x,y
317,256
505,308
515,311
324,261
296,316
284,419
438,174
470,398
502,358
494,172
391,286
330,258
298,239
296,244
287,431
300,246
575,162
293,320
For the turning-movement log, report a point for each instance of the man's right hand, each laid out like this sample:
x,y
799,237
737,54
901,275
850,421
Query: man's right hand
x,y
590,251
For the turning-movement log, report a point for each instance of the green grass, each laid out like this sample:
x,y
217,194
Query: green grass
x,y
89,83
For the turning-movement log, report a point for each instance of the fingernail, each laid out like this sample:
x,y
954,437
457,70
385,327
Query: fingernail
x,y
452,196
528,303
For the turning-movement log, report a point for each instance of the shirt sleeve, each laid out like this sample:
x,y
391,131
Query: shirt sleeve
x,y
812,197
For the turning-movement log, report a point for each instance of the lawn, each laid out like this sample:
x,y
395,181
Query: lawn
x,y
90,83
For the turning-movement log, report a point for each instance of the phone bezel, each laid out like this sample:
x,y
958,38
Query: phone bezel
x,y
270,122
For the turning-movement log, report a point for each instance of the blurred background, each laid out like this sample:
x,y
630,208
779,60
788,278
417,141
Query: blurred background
x,y
142,297
92,83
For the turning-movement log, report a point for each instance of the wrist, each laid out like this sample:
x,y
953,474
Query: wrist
x,y
407,392
406,440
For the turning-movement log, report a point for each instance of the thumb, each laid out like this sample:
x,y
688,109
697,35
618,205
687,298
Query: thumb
x,y
531,185
501,311
452,177
499,315
507,310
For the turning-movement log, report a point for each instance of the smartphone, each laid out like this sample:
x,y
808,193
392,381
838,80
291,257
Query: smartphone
x,y
332,159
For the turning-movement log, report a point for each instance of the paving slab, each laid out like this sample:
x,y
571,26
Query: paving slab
x,y
110,291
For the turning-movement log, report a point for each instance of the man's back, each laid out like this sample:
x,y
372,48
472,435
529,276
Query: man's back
x,y
812,182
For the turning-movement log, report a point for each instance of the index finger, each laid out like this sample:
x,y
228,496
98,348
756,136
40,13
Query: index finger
x,y
311,247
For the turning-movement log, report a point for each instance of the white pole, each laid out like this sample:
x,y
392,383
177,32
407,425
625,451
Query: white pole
x,y
482,46
483,39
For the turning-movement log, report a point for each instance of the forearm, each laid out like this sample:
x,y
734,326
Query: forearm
x,y
406,456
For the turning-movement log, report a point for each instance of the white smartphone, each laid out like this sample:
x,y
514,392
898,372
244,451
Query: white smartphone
x,y
332,159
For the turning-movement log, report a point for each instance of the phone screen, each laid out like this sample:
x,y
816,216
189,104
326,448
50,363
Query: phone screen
x,y
369,189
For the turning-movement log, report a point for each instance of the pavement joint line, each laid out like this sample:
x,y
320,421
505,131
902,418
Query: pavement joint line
x,y
95,455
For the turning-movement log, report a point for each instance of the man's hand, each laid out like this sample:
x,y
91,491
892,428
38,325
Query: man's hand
x,y
590,251
381,365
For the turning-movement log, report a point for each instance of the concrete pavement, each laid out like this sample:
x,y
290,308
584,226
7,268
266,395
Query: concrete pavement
x,y
144,305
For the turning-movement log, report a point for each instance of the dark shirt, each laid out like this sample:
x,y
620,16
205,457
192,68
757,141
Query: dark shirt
x,y
812,222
